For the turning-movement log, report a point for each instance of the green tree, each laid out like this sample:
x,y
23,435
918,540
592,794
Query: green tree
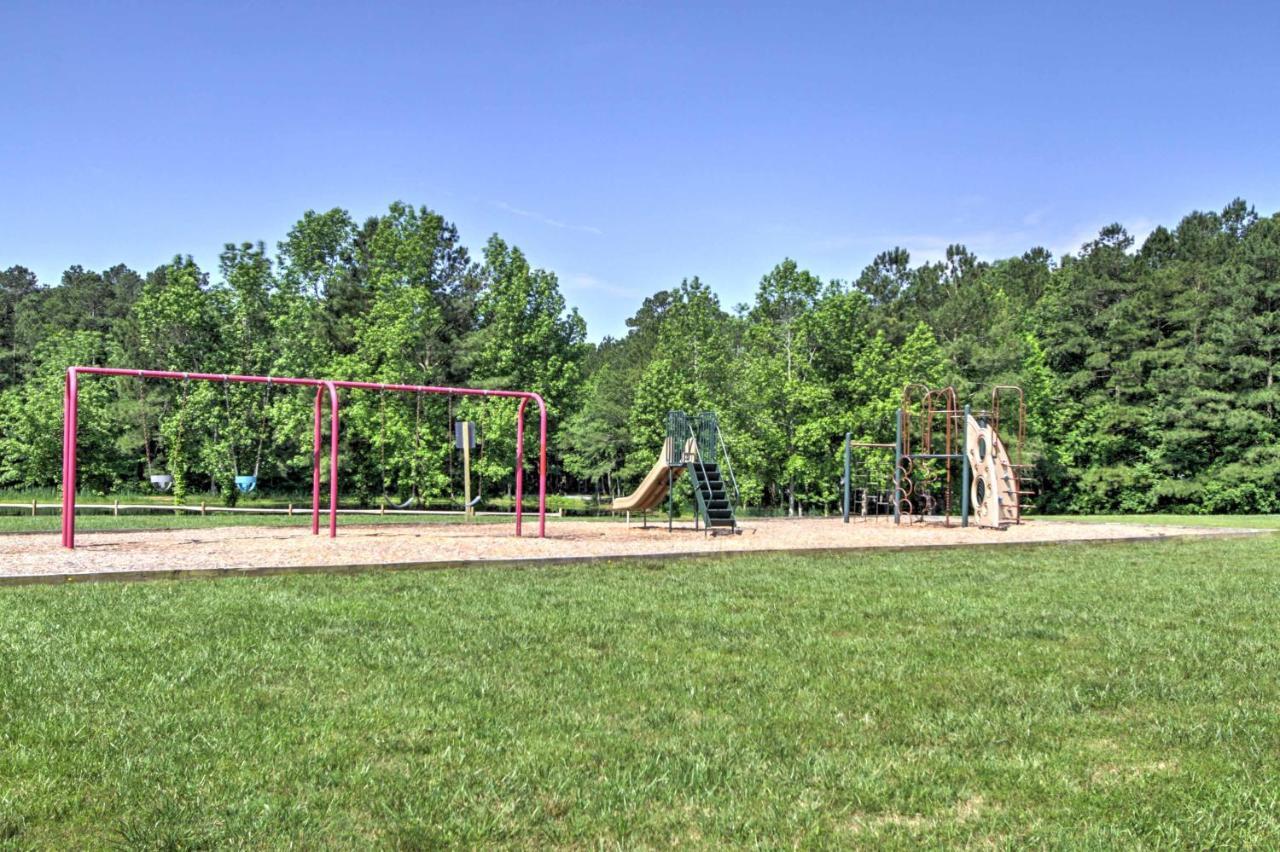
x,y
31,414
788,398
243,302
691,369
594,438
16,284
526,338
178,326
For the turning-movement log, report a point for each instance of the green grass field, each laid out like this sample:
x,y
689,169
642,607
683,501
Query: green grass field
x,y
1103,696
1257,522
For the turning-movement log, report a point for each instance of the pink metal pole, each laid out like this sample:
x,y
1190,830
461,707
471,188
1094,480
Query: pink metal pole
x,y
526,395
66,413
333,459
70,435
201,377
68,452
315,467
520,464
542,467
69,465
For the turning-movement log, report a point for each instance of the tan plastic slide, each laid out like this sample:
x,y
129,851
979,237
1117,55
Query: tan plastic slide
x,y
653,490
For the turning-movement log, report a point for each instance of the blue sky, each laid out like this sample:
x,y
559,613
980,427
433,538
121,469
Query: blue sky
x,y
627,145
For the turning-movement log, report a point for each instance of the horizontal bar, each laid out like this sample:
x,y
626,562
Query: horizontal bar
x,y
935,456
380,386
197,377
459,512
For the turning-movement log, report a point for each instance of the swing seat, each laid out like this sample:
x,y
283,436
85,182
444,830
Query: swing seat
x,y
161,481
246,484
390,504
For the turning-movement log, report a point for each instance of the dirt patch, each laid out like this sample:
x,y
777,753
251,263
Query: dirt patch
x,y
1111,773
961,812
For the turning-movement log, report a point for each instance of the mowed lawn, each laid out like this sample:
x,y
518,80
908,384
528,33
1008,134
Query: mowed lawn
x,y
1106,695
51,522
1257,522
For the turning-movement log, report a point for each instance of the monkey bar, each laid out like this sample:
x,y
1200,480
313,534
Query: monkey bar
x,y
70,419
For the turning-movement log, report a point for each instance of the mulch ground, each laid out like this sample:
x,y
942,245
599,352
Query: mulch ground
x,y
223,548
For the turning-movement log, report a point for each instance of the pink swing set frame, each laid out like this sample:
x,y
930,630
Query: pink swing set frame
x,y
70,425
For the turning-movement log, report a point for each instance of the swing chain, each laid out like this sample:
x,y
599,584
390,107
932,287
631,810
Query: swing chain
x,y
231,438
417,436
382,442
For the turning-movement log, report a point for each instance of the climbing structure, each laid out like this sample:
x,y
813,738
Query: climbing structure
x,y
937,441
868,480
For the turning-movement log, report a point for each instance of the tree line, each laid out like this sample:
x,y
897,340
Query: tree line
x,y
1149,370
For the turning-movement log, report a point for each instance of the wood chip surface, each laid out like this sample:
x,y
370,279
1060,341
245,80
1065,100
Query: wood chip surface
x,y
275,547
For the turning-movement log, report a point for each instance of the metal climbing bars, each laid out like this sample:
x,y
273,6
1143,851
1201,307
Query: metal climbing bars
x,y
932,433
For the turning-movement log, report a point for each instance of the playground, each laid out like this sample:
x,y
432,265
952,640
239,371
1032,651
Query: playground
x,y
950,477
927,664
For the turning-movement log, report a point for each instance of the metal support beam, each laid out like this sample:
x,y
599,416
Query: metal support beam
x,y
966,475
848,464
897,472
671,500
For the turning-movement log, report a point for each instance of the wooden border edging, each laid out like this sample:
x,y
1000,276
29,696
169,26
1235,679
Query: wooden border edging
x,y
560,561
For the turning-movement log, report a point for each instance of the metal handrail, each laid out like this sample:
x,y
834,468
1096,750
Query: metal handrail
x,y
1022,415
728,463
697,486
699,437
